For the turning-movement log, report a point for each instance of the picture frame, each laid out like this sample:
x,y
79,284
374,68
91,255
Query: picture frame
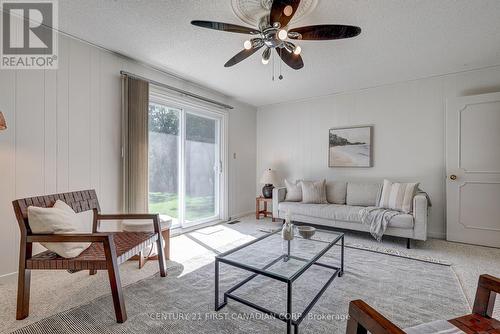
x,y
350,147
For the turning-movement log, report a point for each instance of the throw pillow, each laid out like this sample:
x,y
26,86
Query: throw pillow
x,y
363,194
336,192
293,191
60,219
314,192
398,196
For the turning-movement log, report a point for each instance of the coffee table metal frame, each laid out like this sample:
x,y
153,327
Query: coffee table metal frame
x,y
285,317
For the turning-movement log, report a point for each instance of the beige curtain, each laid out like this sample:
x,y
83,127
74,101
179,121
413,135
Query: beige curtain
x,y
135,105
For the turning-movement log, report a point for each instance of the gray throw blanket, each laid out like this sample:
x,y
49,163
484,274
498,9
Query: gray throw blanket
x,y
378,219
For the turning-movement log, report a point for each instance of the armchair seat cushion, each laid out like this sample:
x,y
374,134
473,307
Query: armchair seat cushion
x,y
345,213
146,225
127,244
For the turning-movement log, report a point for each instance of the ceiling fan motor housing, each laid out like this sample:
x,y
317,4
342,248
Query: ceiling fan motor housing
x,y
270,36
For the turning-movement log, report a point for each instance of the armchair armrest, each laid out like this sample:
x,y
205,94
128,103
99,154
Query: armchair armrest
x,y
94,237
279,194
363,318
420,216
155,217
127,216
487,288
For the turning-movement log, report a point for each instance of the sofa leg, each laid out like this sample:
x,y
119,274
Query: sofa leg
x,y
408,243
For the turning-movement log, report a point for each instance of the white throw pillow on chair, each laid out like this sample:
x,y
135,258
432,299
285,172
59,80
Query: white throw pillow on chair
x,y
59,219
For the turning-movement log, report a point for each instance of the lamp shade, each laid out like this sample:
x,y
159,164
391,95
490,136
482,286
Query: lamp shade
x,y
3,124
269,177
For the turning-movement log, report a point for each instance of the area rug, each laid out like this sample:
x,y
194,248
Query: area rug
x,y
407,291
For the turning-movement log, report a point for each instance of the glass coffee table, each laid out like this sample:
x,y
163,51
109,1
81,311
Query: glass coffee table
x,y
284,261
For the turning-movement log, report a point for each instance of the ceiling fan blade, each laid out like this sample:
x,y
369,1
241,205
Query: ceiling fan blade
x,y
282,11
225,27
242,55
324,32
291,59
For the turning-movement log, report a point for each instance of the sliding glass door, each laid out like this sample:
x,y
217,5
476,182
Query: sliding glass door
x,y
201,169
164,160
185,163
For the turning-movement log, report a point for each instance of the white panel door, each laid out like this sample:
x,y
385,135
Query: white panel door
x,y
473,169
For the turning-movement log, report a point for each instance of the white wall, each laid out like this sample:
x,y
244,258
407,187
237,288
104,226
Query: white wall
x,y
409,138
64,134
242,159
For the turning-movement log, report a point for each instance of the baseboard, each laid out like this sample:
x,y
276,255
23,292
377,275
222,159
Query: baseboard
x,y
436,235
242,214
8,277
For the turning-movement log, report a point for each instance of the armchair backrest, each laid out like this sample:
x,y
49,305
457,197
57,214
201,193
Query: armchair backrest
x,y
79,201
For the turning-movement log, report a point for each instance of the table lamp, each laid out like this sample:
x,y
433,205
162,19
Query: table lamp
x,y
3,124
269,178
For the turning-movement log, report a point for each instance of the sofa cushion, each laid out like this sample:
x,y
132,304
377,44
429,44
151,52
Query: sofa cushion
x,y
347,213
293,191
336,192
314,192
363,194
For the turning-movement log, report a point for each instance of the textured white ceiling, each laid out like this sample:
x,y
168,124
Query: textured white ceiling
x,y
401,40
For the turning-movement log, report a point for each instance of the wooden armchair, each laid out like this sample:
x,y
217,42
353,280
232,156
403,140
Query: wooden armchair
x,y
363,318
106,252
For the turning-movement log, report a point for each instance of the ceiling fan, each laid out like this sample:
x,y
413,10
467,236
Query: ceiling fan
x,y
273,33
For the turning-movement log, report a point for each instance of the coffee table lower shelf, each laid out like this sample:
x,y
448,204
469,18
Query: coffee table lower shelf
x,y
288,316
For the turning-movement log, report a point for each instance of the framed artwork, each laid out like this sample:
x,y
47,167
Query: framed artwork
x,y
350,147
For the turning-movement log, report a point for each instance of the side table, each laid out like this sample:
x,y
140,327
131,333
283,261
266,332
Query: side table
x,y
258,211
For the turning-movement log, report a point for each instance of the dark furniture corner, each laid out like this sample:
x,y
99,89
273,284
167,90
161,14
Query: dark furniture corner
x,y
106,252
363,318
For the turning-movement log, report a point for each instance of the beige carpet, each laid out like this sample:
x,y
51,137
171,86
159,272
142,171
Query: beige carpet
x,y
53,292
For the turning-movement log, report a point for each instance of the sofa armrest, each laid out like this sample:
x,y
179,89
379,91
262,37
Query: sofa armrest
x,y
278,196
420,215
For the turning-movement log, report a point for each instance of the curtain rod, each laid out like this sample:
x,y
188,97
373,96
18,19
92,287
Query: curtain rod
x,y
178,90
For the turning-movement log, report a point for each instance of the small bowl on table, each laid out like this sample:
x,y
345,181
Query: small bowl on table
x,y
306,232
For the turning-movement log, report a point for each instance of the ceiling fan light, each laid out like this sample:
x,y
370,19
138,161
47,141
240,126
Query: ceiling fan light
x,y
247,45
297,50
266,55
282,34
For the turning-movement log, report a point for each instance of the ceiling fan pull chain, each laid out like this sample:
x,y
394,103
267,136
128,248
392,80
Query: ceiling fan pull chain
x,y
273,66
281,75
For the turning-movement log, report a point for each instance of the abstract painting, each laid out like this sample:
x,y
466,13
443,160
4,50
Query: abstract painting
x,y
350,147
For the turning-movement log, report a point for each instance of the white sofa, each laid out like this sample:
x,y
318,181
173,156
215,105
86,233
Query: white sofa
x,y
345,200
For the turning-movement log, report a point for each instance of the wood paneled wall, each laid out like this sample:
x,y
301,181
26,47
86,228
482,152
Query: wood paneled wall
x,y
64,133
